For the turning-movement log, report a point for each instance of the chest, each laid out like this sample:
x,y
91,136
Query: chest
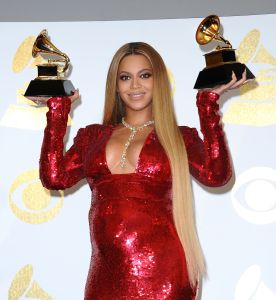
x,y
123,149
147,158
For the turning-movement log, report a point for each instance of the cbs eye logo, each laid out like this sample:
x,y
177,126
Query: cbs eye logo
x,y
254,195
31,202
23,286
251,286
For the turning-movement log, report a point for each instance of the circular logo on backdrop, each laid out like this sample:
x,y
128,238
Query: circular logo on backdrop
x,y
251,286
23,285
254,195
31,202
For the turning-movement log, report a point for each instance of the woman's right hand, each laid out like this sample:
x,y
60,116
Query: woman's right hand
x,y
75,96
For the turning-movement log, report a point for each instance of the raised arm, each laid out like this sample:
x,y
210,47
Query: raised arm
x,y
209,159
58,170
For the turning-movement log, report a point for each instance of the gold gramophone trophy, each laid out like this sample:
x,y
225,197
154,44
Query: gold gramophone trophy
x,y
51,79
221,62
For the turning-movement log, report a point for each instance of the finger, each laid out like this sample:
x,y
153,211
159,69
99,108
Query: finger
x,y
239,82
244,77
75,95
230,84
77,92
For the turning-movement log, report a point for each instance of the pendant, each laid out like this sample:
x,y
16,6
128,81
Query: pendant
x,y
133,130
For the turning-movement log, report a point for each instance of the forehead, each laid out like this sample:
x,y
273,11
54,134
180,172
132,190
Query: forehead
x,y
134,62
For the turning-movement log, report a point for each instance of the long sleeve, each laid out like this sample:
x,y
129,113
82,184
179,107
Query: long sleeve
x,y
209,160
58,170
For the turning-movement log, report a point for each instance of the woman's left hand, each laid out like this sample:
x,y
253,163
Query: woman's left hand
x,y
234,83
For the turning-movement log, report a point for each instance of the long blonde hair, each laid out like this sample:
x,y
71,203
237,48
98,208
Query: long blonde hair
x,y
171,139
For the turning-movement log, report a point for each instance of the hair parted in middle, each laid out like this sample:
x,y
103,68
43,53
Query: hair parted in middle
x,y
171,140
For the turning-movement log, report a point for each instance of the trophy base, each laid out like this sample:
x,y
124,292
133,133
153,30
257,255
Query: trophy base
x,y
42,90
211,77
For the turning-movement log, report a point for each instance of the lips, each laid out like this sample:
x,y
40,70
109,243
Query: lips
x,y
136,95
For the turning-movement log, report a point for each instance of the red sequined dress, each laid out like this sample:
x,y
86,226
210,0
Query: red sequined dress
x,y
136,250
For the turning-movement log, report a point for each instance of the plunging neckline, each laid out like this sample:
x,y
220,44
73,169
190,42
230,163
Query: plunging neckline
x,y
139,156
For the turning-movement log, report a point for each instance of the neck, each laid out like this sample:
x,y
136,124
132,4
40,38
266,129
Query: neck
x,y
137,118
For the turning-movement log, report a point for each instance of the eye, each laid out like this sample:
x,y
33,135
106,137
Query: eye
x,y
30,202
146,75
124,77
254,195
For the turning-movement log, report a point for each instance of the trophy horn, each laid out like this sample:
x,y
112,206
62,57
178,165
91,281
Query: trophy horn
x,y
208,30
43,44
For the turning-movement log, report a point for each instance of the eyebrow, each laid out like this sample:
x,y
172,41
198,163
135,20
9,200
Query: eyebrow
x,y
141,71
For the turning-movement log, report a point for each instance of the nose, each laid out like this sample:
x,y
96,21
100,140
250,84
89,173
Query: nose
x,y
135,82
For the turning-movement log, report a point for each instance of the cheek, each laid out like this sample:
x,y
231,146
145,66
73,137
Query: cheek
x,y
122,91
122,86
149,83
150,86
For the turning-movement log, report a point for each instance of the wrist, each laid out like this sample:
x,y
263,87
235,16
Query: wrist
x,y
205,97
59,108
59,103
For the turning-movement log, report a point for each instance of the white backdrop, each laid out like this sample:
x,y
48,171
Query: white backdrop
x,y
44,238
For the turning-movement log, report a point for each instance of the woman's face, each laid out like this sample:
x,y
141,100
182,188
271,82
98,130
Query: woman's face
x,y
135,82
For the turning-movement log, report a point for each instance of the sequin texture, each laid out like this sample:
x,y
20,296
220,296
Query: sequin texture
x,y
136,250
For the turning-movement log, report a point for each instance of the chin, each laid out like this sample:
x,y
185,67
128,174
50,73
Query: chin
x,y
138,107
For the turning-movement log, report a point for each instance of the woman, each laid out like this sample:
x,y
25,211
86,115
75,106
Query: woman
x,y
137,163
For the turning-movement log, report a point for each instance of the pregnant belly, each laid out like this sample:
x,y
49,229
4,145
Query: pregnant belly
x,y
136,251
129,222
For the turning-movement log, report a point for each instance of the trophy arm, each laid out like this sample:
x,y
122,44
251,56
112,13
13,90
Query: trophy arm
x,y
65,61
221,39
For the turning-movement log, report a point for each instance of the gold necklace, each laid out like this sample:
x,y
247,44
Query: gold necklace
x,y
134,130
